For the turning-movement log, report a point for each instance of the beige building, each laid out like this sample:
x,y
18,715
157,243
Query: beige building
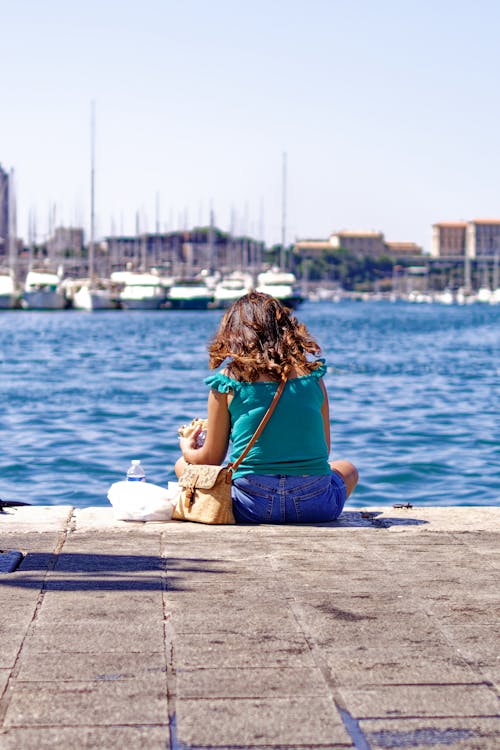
x,y
362,243
312,248
483,238
448,238
476,238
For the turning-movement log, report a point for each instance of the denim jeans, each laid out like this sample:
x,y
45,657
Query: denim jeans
x,y
260,498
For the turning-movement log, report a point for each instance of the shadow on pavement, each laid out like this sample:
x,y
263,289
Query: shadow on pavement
x,y
90,571
370,519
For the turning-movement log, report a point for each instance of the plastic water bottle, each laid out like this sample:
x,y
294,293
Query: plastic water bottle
x,y
135,472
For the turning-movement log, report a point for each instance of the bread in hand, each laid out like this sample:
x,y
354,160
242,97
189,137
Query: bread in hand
x,y
197,424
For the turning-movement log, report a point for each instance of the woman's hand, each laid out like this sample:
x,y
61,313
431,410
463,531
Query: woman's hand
x,y
213,451
189,443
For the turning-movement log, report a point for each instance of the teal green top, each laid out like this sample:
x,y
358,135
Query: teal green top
x,y
293,441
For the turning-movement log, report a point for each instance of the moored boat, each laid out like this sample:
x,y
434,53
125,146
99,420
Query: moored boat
x,y
231,288
97,295
8,295
189,294
141,291
282,285
43,291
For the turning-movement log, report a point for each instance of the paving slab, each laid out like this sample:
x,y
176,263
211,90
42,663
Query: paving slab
x,y
242,722
63,666
436,701
420,734
92,637
35,519
86,738
239,651
387,666
249,682
103,702
379,630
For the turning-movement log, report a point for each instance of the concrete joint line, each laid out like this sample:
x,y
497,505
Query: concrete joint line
x,y
431,616
351,724
168,644
9,688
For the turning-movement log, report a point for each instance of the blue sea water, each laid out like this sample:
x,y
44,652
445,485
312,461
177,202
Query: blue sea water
x,y
413,398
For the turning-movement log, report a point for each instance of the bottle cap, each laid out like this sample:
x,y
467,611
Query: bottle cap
x,y
136,461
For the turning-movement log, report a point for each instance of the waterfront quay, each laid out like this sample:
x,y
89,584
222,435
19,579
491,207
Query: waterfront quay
x,y
380,630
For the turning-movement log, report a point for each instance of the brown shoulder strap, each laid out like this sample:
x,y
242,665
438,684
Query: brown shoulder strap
x,y
265,419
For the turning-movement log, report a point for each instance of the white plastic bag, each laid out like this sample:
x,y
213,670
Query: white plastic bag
x,y
142,501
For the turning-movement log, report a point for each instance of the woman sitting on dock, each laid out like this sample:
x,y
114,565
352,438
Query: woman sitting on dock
x,y
286,476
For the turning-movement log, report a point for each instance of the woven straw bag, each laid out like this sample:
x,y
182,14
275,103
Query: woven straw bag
x,y
206,495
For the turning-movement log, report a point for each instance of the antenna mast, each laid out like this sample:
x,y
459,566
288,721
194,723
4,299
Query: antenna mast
x,y
283,214
12,224
92,191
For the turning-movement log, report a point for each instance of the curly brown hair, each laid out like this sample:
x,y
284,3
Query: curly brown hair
x,y
260,336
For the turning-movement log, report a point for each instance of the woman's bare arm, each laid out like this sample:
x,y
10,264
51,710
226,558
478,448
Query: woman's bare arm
x,y
325,411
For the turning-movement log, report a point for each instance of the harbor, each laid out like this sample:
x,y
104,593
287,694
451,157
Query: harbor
x,y
205,267
136,290
376,631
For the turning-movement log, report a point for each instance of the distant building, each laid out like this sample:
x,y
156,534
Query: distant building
x,y
66,240
312,248
361,243
483,238
4,212
172,251
448,239
184,251
476,238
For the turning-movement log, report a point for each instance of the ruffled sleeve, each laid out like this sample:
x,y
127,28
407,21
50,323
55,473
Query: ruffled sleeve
x,y
222,383
320,371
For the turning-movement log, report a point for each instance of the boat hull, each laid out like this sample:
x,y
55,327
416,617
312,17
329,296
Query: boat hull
x,y
194,303
7,301
148,303
43,300
94,299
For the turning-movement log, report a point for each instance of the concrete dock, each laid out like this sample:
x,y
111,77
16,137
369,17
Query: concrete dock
x,y
378,631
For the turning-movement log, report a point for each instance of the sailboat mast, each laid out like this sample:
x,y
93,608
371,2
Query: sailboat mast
x,y
92,192
283,214
12,225
211,242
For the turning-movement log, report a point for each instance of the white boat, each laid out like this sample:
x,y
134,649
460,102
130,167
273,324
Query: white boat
x,y
8,296
445,297
495,296
189,294
99,295
280,284
43,291
231,288
483,294
141,291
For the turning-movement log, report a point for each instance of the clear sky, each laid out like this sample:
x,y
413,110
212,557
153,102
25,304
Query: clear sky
x,y
388,111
